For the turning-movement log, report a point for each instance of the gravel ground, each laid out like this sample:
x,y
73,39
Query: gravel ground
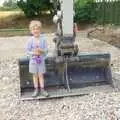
x,y
95,106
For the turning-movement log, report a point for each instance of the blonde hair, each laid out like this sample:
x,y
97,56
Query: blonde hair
x,y
35,23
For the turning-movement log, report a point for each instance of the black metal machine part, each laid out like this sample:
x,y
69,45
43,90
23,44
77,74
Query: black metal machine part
x,y
85,69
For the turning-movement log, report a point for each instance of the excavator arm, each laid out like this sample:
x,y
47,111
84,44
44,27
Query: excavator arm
x,y
68,70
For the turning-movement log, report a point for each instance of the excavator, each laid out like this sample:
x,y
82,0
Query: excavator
x,y
68,71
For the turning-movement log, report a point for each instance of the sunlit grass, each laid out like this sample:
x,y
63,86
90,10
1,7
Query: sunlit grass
x,y
17,20
12,19
5,14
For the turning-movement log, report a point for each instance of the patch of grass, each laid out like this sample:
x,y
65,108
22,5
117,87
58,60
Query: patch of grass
x,y
17,20
6,14
10,34
8,19
16,8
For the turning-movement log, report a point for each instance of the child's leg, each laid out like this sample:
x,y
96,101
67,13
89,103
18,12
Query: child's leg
x,y
36,85
35,81
41,82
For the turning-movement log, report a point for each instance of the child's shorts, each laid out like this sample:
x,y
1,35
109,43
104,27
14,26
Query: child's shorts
x,y
35,68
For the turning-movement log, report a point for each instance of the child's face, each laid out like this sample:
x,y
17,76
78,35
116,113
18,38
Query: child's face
x,y
35,31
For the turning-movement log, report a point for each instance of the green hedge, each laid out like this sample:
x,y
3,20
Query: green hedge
x,y
108,12
105,12
84,10
32,8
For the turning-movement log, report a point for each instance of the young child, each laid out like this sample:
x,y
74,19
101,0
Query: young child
x,y
37,50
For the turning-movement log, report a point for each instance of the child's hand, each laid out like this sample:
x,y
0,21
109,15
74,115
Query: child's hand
x,y
36,51
40,51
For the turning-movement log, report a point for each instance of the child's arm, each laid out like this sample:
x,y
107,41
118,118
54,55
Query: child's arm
x,y
30,52
44,49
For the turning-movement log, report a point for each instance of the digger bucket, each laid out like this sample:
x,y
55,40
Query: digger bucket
x,y
89,69
66,77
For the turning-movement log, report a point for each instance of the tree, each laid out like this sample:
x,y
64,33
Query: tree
x,y
33,8
10,4
84,10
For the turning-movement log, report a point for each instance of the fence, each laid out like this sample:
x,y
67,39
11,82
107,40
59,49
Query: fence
x,y
107,11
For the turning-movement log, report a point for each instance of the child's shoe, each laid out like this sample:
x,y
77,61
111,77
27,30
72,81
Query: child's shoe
x,y
35,93
44,93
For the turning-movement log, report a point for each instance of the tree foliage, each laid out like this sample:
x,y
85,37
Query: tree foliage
x,y
10,4
84,10
33,8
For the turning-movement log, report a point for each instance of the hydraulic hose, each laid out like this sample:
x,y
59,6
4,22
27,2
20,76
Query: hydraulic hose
x,y
66,75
